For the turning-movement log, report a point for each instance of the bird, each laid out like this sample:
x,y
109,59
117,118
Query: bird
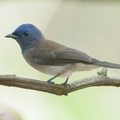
x,y
53,58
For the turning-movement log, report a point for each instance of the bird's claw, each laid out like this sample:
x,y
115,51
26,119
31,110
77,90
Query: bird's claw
x,y
49,81
65,84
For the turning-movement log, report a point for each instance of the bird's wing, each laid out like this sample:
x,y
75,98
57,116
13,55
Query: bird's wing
x,y
60,57
70,55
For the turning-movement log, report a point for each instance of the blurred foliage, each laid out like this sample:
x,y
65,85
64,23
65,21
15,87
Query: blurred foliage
x,y
92,27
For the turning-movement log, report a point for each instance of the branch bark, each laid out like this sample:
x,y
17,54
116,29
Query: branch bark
x,y
100,80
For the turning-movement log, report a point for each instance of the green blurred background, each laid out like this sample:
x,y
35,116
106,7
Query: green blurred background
x,y
90,26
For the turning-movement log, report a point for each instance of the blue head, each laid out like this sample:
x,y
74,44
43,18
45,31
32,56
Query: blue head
x,y
27,35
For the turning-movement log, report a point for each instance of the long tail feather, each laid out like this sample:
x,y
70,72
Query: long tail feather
x,y
106,64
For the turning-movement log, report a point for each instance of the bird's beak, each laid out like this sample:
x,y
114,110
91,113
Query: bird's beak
x,y
11,36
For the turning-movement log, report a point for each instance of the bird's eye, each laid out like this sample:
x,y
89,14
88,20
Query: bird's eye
x,y
25,33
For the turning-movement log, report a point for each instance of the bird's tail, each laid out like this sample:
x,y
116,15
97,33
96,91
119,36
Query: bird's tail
x,y
106,64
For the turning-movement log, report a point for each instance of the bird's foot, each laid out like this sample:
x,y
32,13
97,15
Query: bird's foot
x,y
65,83
50,81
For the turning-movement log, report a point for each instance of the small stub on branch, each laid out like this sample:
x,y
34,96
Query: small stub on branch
x,y
103,72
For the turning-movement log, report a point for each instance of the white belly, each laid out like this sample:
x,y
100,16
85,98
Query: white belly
x,y
65,70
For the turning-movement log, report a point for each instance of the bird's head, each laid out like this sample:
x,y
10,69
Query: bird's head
x,y
27,35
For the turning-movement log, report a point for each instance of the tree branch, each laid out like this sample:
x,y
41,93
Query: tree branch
x,y
100,80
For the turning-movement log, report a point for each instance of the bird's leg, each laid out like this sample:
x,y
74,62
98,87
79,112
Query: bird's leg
x,y
50,80
65,83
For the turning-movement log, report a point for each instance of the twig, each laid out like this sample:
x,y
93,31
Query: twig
x,y
100,80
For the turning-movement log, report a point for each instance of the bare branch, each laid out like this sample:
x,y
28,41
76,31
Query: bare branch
x,y
100,80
